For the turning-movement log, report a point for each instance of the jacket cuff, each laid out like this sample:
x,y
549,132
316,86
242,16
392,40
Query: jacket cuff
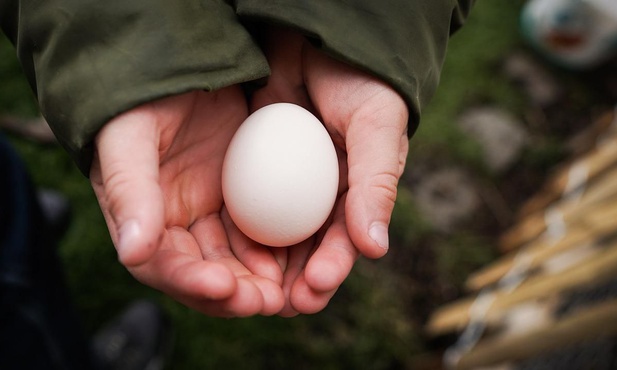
x,y
402,42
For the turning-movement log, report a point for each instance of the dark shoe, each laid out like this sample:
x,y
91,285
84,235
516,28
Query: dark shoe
x,y
139,339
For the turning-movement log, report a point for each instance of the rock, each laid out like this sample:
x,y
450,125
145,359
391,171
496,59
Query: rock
x,y
446,197
500,135
541,88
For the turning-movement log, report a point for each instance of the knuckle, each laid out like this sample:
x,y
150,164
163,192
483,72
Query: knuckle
x,y
385,184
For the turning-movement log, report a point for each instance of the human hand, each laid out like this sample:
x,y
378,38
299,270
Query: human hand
x,y
157,177
367,121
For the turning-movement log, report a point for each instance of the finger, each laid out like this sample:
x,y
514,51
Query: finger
x,y
259,266
333,260
255,257
297,255
280,255
129,191
285,83
181,275
307,301
273,299
326,269
210,287
246,301
376,148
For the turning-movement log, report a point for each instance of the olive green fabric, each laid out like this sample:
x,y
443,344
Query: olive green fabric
x,y
89,60
401,41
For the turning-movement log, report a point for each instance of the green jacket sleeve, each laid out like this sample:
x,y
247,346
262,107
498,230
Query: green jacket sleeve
x,y
401,41
88,60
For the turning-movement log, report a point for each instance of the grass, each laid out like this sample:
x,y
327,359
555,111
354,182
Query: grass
x,y
469,77
371,322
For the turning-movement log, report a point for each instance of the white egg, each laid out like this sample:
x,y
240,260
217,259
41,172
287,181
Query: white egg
x,y
280,175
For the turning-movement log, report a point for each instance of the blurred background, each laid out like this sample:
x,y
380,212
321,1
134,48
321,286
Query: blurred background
x,y
513,106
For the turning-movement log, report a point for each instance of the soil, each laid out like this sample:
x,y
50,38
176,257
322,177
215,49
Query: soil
x,y
569,118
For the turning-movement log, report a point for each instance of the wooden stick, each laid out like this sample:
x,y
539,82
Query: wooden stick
x,y
570,209
554,187
594,322
597,162
581,231
35,129
602,127
456,315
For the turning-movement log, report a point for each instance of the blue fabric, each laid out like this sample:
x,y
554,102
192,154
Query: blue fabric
x,y
38,325
17,218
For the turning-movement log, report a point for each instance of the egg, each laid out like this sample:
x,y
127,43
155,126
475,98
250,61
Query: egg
x,y
280,175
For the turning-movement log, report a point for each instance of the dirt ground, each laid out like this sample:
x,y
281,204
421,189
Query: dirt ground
x,y
571,119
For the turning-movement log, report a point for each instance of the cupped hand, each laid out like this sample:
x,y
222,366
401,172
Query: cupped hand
x,y
367,121
157,177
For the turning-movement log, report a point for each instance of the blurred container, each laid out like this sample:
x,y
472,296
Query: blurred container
x,y
574,33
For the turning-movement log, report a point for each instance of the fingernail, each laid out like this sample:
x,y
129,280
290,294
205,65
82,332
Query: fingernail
x,y
128,233
379,233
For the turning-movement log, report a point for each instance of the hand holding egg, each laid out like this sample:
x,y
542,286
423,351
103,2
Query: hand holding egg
x,y
367,121
157,175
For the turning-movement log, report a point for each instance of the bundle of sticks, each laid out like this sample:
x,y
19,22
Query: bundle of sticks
x,y
564,239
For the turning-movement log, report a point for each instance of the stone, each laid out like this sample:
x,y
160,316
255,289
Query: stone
x,y
541,88
500,135
446,197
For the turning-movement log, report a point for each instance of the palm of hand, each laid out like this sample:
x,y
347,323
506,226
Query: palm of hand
x,y
178,144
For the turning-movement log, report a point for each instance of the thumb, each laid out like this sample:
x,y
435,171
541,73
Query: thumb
x,y
377,148
372,119
128,187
